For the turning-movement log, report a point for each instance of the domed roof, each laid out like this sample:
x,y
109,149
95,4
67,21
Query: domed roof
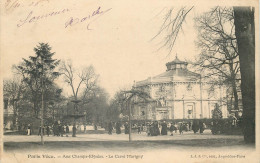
x,y
176,61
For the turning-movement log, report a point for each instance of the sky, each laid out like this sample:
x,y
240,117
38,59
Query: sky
x,y
118,42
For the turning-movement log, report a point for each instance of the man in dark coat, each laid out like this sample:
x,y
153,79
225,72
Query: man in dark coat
x,y
85,128
181,128
118,127
74,131
164,128
172,128
48,130
40,128
201,127
62,130
126,128
110,128
156,129
148,130
67,130
59,130
195,126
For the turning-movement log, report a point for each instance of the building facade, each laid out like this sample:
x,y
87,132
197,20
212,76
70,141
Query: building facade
x,y
178,94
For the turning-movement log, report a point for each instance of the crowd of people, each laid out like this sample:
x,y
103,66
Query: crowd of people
x,y
156,128
152,128
57,129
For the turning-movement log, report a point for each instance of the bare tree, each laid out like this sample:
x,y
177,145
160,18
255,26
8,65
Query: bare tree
x,y
219,54
171,26
77,80
12,90
90,83
71,76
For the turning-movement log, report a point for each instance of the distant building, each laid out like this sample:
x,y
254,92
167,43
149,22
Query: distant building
x,y
178,94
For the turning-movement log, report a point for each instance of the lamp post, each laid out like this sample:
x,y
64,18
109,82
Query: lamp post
x,y
130,124
42,107
74,117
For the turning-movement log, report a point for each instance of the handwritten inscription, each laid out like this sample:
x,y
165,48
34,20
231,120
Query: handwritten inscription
x,y
30,18
91,18
34,7
11,5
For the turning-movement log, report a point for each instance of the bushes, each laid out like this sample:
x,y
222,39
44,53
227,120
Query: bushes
x,y
229,126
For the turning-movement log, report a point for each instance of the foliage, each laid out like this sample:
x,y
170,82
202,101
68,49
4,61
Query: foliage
x,y
217,113
38,73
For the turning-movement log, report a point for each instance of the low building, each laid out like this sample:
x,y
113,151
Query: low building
x,y
178,94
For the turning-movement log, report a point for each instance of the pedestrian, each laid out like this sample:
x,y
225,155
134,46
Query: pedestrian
x,y
148,131
29,130
118,127
172,128
189,125
85,128
48,130
62,130
175,127
110,128
39,132
152,129
181,128
164,128
139,129
126,128
201,127
156,130
74,130
195,126
67,130
186,127
55,129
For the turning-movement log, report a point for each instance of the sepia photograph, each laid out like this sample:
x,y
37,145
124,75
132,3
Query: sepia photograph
x,y
129,81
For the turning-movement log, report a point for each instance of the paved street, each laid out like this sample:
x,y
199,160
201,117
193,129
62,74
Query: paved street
x,y
116,148
120,142
121,137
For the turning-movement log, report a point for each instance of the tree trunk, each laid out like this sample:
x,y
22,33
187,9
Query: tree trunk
x,y
245,34
234,88
15,115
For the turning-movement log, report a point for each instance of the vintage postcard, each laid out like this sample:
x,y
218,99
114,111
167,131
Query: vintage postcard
x,y
129,81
